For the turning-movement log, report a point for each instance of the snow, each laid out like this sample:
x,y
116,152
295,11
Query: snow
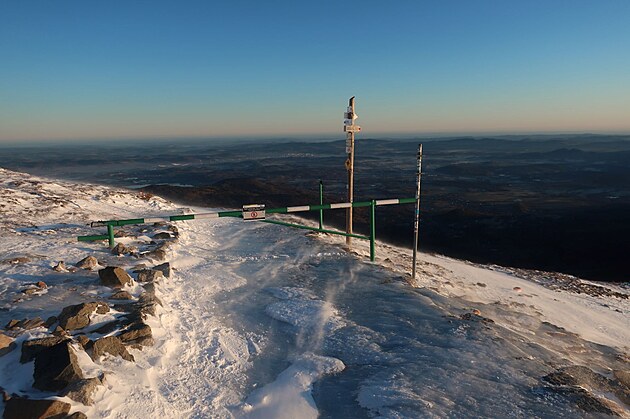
x,y
263,321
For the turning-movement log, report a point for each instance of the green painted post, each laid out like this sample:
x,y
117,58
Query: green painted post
x,y
321,202
110,235
372,231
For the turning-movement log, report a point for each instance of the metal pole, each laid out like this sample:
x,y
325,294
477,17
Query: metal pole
x,y
372,231
110,235
350,168
416,221
321,202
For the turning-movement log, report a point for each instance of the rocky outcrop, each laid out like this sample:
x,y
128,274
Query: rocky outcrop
x,y
56,367
81,391
114,277
162,236
88,262
21,408
6,344
31,348
138,333
149,275
121,295
26,324
165,268
111,345
78,316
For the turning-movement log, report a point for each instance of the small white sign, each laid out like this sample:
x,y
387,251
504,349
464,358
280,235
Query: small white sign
x,y
352,128
253,212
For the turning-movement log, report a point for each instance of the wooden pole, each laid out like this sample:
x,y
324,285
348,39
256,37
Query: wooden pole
x,y
350,168
416,221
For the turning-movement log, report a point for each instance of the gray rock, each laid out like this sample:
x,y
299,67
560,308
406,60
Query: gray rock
x,y
114,277
56,367
7,344
111,345
88,262
165,268
31,348
149,275
23,408
78,316
81,391
121,295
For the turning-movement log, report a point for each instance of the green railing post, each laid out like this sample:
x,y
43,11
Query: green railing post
x,y
110,235
321,202
372,231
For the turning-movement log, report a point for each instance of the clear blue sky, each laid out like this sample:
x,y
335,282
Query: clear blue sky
x,y
125,69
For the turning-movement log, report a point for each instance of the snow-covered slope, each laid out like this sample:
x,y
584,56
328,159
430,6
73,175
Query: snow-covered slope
x,y
263,321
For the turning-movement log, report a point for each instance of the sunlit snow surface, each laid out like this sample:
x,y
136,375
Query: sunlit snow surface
x,y
264,321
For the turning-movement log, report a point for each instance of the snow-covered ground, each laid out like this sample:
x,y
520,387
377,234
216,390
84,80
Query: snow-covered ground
x,y
263,321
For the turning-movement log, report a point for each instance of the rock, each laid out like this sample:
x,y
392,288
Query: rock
x,y
88,262
137,332
111,345
108,327
157,254
518,289
50,321
121,295
56,367
30,291
81,391
78,316
139,267
149,287
26,324
165,268
77,415
623,377
149,275
114,277
31,348
120,249
85,342
476,312
7,344
475,317
41,284
60,267
59,332
162,236
22,408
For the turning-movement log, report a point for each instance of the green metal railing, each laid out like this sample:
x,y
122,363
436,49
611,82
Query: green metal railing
x,y
110,224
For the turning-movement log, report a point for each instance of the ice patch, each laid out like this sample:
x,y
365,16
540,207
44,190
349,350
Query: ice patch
x,y
289,396
306,314
289,293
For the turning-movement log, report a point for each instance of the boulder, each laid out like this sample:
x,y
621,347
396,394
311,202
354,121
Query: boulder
x,y
81,391
137,332
114,277
88,262
31,348
121,249
56,367
121,295
85,342
157,254
165,268
162,236
26,324
77,415
111,345
149,275
78,316
21,408
60,267
7,344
